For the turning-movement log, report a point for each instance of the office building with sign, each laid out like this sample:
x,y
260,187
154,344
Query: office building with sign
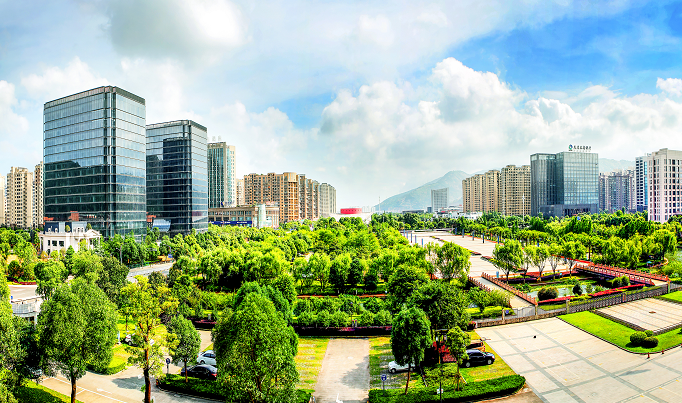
x,y
257,216
177,177
664,169
94,160
566,183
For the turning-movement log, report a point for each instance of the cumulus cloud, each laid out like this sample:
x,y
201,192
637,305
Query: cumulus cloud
x,y
14,141
56,82
183,29
672,86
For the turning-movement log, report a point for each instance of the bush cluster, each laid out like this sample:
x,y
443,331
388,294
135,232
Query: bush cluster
x,y
619,282
644,339
341,319
548,293
472,391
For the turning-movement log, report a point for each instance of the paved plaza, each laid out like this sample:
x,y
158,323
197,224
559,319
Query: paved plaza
x,y
344,374
563,364
650,314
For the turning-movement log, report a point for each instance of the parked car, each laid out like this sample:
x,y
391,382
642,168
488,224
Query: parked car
x,y
202,371
477,357
393,367
476,344
207,357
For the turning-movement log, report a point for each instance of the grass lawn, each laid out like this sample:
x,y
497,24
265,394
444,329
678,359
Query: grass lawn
x,y
120,356
210,347
379,356
673,296
617,333
311,352
34,393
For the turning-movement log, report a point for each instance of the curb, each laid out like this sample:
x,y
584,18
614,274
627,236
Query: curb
x,y
187,395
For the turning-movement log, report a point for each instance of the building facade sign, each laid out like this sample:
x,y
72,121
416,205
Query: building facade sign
x,y
576,148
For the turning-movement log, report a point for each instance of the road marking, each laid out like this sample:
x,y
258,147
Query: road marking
x,y
83,390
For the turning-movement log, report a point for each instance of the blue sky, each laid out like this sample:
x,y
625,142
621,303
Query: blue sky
x,y
373,97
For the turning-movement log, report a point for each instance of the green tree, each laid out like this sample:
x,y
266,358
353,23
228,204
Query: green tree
x,y
457,342
68,259
255,350
356,271
404,281
444,304
302,272
508,257
320,264
338,272
285,284
410,335
49,276
452,261
77,327
480,298
113,278
573,251
146,305
554,256
188,341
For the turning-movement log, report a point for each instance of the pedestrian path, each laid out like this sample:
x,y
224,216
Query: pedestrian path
x,y
344,374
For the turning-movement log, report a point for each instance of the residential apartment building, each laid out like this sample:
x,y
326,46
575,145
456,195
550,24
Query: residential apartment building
x,y
94,155
298,197
642,182
177,176
514,190
327,200
617,190
439,199
240,192
664,171
20,198
222,178
472,193
309,198
3,199
38,211
491,191
566,183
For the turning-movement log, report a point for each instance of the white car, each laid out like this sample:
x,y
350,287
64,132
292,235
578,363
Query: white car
x,y
393,367
207,357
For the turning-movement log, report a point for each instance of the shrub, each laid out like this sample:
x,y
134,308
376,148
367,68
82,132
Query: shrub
x,y
373,304
637,338
500,298
649,333
473,391
624,281
340,319
383,318
650,342
548,293
577,289
615,283
194,386
323,319
307,318
371,279
302,305
348,304
589,288
366,319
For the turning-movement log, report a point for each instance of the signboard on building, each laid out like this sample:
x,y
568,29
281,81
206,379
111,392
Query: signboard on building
x,y
584,149
239,223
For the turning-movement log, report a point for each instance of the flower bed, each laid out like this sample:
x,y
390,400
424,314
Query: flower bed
x,y
595,294
555,300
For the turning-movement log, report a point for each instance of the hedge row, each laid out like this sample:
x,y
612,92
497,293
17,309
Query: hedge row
x,y
472,391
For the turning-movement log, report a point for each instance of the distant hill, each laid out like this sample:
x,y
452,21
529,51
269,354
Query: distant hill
x,y
420,198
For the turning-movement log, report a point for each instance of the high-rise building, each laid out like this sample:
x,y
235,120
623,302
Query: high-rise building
x,y
3,200
566,183
472,193
327,200
491,191
642,182
240,192
38,213
20,198
177,175
664,171
514,190
439,199
298,197
222,178
617,191
94,155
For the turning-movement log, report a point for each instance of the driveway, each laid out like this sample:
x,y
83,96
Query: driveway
x,y
564,364
344,372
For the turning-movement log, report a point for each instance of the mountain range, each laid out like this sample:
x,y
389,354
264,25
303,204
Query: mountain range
x,y
420,197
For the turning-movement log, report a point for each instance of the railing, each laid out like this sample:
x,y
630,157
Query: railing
x,y
627,272
26,306
509,288
617,299
617,272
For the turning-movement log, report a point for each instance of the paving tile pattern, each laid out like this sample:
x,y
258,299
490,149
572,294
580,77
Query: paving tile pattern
x,y
651,313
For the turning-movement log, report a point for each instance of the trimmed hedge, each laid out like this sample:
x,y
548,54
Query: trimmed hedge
x,y
472,391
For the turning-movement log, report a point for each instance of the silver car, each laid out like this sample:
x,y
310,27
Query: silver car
x,y
207,357
393,367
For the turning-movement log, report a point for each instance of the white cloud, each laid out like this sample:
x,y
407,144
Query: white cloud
x,y
672,86
55,82
14,140
375,30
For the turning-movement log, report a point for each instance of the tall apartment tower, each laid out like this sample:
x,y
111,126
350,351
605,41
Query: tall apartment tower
x,y
327,200
20,198
177,175
617,191
38,211
240,192
514,190
94,155
222,178
3,200
439,199
566,183
309,198
642,182
491,191
664,171
297,196
472,194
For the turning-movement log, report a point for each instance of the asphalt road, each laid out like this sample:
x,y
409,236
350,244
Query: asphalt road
x,y
147,270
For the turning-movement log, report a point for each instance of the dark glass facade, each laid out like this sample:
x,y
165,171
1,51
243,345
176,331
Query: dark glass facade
x,y
177,183
566,183
94,155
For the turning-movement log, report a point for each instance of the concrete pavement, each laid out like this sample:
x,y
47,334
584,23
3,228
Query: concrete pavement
x,y
147,270
344,372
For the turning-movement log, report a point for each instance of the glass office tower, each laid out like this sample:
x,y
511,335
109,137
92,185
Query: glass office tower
x,y
222,180
177,188
94,155
564,184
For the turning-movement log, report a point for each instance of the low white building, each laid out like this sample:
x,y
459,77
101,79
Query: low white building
x,y
56,237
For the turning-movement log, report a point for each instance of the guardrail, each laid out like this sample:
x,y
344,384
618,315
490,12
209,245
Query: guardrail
x,y
26,306
509,288
639,277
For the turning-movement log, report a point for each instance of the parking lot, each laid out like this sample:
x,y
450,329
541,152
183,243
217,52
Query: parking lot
x,y
564,364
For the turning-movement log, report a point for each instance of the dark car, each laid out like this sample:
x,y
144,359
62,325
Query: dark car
x,y
477,357
202,371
